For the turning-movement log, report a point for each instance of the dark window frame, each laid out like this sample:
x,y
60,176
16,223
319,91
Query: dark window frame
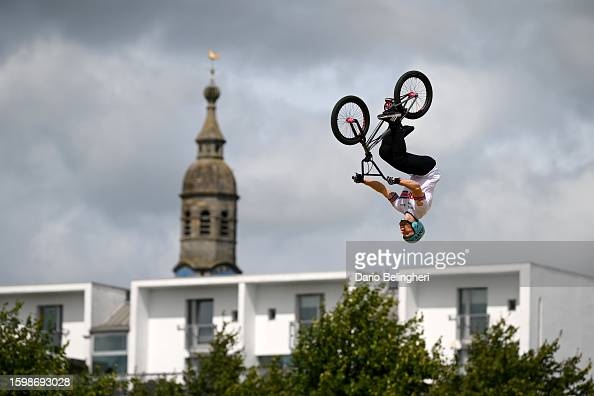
x,y
467,321
198,332
204,222
187,223
56,333
110,353
224,224
298,306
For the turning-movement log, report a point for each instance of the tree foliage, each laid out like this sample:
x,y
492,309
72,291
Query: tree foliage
x,y
219,371
25,348
359,348
495,366
105,384
273,380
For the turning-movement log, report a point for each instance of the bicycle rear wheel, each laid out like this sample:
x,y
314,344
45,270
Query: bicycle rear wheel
x,y
413,91
348,114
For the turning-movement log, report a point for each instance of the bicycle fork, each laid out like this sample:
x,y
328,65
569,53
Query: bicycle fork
x,y
368,156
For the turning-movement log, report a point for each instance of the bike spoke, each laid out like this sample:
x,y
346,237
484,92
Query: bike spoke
x,y
350,110
415,85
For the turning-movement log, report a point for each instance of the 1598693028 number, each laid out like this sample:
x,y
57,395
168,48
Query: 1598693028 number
x,y
36,382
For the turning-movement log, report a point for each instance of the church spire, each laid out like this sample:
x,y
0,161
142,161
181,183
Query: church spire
x,y
210,140
209,201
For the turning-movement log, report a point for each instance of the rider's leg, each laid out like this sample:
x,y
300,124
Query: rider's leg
x,y
393,151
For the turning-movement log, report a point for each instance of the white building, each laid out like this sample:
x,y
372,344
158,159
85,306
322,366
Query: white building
x,y
464,299
69,312
171,321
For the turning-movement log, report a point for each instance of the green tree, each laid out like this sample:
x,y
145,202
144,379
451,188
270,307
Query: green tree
x,y
272,380
100,385
219,371
25,348
159,387
360,348
495,366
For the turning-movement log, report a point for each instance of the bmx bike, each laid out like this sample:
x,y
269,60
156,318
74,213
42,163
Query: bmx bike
x,y
350,116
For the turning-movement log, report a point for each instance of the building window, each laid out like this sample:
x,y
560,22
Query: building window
x,y
511,304
309,308
266,360
224,223
472,312
271,313
50,317
234,315
110,353
187,224
199,326
204,222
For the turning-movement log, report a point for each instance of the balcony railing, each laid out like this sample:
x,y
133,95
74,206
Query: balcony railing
x,y
199,336
467,325
294,328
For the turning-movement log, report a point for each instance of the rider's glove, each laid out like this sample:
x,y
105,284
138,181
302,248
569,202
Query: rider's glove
x,y
393,180
358,178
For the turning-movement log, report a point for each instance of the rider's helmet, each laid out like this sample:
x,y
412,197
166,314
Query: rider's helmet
x,y
419,231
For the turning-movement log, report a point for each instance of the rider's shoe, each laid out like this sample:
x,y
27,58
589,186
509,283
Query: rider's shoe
x,y
392,114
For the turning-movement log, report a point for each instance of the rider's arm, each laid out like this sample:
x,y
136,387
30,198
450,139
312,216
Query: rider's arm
x,y
415,188
379,187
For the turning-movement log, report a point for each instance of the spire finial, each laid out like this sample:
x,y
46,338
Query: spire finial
x,y
211,92
213,56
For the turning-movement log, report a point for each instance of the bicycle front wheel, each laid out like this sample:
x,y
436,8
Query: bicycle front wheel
x,y
413,91
350,120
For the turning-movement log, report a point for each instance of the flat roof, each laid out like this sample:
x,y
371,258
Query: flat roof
x,y
237,279
469,269
53,288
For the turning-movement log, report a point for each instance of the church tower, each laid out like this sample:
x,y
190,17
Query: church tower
x,y
209,203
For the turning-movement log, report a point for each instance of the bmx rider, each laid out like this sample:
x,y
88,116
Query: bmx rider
x,y
415,199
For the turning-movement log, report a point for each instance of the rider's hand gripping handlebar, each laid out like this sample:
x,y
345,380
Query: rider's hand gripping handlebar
x,y
392,180
358,178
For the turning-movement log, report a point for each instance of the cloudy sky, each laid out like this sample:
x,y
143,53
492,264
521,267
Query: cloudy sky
x,y
100,102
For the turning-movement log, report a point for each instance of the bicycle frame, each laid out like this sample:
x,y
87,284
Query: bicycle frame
x,y
373,140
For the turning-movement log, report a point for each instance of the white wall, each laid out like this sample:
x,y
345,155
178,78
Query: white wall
x,y
272,336
138,334
437,301
567,309
166,313
73,321
158,319
247,321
